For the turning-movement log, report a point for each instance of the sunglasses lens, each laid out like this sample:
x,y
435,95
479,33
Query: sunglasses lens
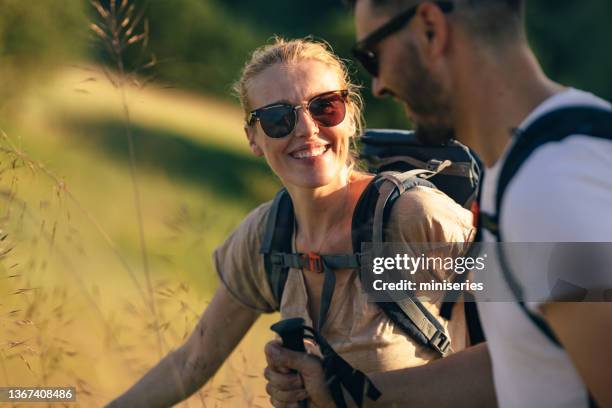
x,y
368,60
277,121
328,110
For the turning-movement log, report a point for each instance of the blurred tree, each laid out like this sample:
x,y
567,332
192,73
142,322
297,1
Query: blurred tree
x,y
35,37
572,40
202,44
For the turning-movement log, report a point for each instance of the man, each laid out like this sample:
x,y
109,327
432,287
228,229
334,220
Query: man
x,y
464,69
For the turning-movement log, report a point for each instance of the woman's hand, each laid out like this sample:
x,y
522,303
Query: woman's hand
x,y
285,387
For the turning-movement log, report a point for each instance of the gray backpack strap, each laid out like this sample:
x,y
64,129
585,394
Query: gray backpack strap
x,y
431,331
394,183
428,325
278,256
277,239
313,262
409,314
325,264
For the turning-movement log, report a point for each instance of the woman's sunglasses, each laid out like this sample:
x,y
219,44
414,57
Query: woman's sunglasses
x,y
363,50
279,119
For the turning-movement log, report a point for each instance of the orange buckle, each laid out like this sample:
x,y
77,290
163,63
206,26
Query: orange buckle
x,y
314,262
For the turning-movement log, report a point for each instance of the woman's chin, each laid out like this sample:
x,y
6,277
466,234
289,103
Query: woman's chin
x,y
316,180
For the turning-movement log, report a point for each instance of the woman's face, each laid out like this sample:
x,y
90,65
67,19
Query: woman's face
x,y
311,156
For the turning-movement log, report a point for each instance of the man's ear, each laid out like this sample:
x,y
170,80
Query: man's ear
x,y
250,135
434,30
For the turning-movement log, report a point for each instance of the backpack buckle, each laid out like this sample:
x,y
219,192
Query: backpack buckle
x,y
314,262
433,164
440,342
437,166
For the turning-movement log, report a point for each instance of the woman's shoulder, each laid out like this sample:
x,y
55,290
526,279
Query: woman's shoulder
x,y
240,265
256,218
254,224
427,214
247,236
425,200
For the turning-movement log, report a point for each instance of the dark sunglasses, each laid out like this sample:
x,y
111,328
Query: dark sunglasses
x,y
279,119
362,51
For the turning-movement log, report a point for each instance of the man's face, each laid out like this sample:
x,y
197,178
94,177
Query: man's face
x,y
404,75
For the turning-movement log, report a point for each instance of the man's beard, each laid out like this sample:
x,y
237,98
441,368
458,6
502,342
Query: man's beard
x,y
428,103
433,135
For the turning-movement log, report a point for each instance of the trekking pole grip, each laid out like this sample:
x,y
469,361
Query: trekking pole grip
x,y
291,332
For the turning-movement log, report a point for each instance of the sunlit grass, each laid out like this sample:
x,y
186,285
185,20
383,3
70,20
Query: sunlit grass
x,y
70,313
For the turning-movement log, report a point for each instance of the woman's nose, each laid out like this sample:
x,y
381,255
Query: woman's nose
x,y
306,126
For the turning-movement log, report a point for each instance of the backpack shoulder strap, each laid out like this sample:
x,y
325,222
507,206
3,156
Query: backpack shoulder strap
x,y
277,239
370,216
374,206
552,127
394,185
472,319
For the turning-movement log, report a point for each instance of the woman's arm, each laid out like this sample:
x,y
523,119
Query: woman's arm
x,y
183,371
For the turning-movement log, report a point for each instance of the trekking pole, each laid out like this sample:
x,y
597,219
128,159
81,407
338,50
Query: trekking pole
x,y
291,332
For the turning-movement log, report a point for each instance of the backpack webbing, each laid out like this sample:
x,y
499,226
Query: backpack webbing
x,y
371,215
372,209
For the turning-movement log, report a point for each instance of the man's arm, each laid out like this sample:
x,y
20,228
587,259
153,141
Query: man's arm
x,y
584,331
463,379
183,371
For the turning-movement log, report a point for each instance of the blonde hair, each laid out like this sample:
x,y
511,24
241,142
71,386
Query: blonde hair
x,y
282,51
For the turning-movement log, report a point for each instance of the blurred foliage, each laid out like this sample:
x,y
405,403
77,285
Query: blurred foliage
x,y
34,37
572,41
202,44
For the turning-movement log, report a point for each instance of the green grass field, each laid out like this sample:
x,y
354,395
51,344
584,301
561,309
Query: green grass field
x,y
73,287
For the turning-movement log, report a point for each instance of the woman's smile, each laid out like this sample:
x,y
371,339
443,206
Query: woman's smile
x,y
310,151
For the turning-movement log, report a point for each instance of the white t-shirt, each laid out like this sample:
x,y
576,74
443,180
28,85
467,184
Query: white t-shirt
x,y
562,193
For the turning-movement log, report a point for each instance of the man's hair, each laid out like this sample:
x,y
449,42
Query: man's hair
x,y
514,5
489,20
493,21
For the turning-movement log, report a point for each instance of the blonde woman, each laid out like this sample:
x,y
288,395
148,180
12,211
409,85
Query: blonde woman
x,y
301,112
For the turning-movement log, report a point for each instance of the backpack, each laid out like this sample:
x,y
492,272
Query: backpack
x,y
552,127
400,163
397,150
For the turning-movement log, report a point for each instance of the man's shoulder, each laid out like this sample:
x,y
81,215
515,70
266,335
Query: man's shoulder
x,y
570,97
562,192
563,188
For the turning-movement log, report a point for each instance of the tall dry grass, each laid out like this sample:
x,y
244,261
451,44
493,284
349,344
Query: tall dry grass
x,y
43,316
49,300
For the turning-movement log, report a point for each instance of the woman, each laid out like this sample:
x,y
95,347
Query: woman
x,y
301,114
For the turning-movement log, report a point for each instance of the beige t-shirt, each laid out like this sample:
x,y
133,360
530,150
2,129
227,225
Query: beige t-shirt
x,y
356,328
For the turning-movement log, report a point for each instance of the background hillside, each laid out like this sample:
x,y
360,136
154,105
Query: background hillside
x,y
74,294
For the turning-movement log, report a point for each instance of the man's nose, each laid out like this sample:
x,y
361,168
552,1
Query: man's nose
x,y
378,90
306,126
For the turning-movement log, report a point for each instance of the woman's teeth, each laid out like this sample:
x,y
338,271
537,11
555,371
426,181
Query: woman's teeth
x,y
303,154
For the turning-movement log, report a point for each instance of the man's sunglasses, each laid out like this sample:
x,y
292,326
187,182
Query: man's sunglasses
x,y
279,119
362,51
